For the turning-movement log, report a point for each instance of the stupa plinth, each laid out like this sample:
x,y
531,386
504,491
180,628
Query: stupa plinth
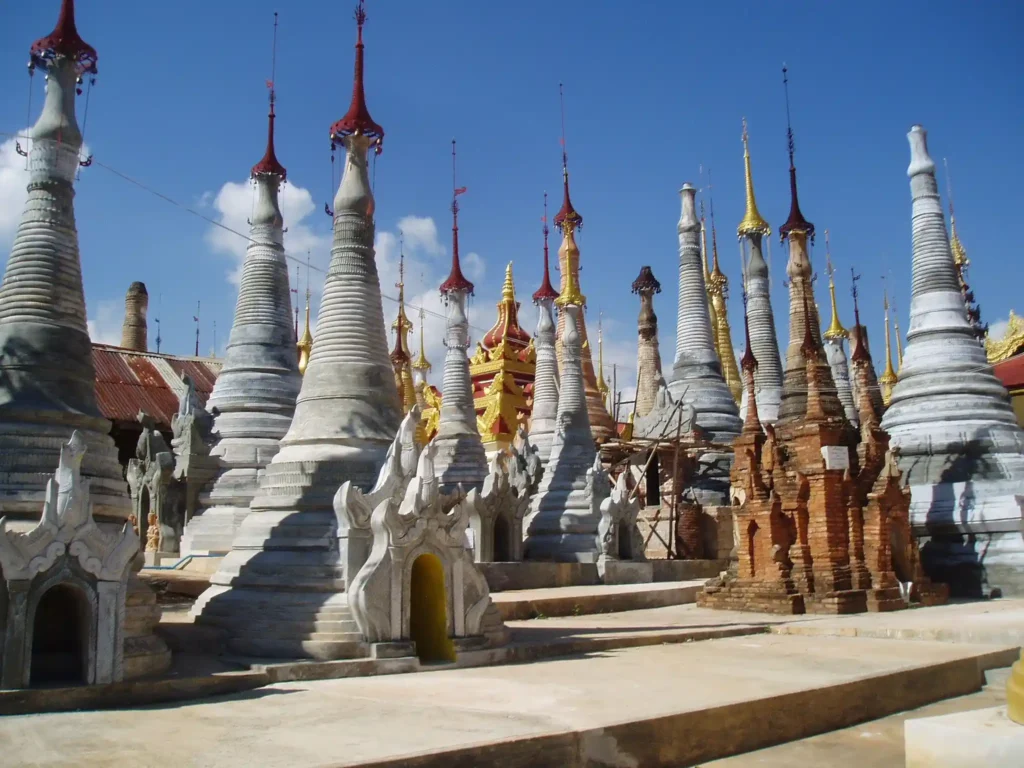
x,y
459,457
951,419
254,397
281,590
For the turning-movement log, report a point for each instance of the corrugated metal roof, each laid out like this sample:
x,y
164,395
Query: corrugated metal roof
x,y
128,382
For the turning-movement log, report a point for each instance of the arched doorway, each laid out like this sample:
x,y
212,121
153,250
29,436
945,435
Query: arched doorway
x,y
502,540
428,615
625,542
752,531
60,634
143,520
653,481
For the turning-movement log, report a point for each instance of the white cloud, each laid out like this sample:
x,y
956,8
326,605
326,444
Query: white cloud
x,y
420,234
997,329
107,319
234,204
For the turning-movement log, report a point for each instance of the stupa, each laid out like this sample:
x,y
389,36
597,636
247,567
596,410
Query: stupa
x,y
569,221
648,356
254,397
752,231
835,351
459,458
47,378
134,331
545,382
281,590
565,512
717,285
958,440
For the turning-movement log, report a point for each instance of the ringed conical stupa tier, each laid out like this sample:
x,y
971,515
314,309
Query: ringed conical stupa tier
x,y
545,382
459,457
47,379
281,590
764,343
959,444
255,393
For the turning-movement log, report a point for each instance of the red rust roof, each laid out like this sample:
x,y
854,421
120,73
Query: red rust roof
x,y
128,382
1011,372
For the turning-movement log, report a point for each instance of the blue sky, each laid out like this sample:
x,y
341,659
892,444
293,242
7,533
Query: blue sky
x,y
180,105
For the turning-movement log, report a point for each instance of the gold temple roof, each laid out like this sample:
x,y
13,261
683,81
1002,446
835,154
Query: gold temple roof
x,y
1011,342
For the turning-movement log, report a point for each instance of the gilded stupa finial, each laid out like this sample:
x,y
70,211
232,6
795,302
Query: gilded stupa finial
x,y
835,328
305,343
959,252
507,328
571,293
717,276
402,325
888,378
602,385
753,223
421,363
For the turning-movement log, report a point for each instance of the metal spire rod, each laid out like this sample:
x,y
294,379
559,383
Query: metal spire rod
x,y
561,104
789,124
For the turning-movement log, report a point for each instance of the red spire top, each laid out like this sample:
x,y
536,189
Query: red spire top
x,y
456,280
64,41
860,349
566,215
357,120
748,361
269,165
546,290
796,221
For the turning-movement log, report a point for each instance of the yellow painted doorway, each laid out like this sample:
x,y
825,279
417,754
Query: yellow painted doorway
x,y
428,615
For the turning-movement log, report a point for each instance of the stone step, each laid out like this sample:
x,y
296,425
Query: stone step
x,y
578,601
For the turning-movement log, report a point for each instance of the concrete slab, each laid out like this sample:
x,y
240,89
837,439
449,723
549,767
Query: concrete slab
x,y
576,601
965,740
658,706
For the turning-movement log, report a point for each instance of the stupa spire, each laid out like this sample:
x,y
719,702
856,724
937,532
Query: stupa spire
x,y
888,378
459,459
506,328
718,293
751,233
401,359
602,383
961,262
545,383
281,594
255,393
648,356
421,365
568,219
796,221
834,348
958,441
357,121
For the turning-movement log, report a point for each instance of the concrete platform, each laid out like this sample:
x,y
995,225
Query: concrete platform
x,y
660,706
576,601
981,737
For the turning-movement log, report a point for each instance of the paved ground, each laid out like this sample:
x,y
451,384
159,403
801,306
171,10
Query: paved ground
x,y
347,722
875,744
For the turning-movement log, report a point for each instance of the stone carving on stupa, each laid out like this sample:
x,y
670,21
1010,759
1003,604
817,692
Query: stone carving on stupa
x,y
754,234
280,591
64,571
546,382
568,220
950,417
834,336
621,557
717,286
822,523
496,511
134,331
191,438
961,263
253,398
47,378
648,356
565,510
459,458
502,374
401,360
419,582
153,490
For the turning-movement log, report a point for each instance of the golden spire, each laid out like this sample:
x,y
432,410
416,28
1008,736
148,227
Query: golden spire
x,y
305,343
400,358
753,223
506,328
959,252
571,292
718,292
835,328
888,379
421,363
508,290
704,245
602,385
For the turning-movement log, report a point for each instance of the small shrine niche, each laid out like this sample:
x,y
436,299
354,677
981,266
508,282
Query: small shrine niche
x,y
62,588
497,511
156,498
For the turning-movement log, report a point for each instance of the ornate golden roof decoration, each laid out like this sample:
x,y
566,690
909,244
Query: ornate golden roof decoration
x,y
571,293
1012,342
